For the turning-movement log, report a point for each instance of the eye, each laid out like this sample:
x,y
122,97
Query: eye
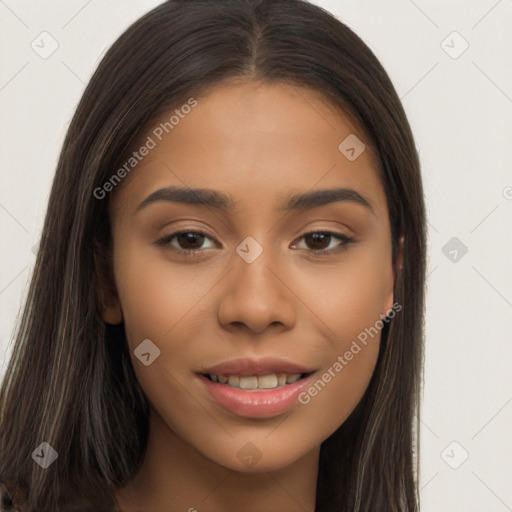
x,y
185,242
321,242
191,243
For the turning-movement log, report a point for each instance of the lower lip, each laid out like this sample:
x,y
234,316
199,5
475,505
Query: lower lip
x,y
256,403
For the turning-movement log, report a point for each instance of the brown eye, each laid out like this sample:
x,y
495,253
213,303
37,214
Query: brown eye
x,y
186,242
321,242
317,241
190,240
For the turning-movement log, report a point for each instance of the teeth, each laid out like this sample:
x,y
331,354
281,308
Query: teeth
x,y
270,381
234,381
267,381
248,382
294,377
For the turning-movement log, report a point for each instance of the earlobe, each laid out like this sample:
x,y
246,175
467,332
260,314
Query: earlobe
x,y
112,314
396,269
109,305
400,256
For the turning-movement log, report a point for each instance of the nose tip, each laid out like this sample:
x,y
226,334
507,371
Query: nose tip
x,y
257,326
253,296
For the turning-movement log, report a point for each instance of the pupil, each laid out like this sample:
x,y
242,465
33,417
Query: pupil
x,y
319,237
187,238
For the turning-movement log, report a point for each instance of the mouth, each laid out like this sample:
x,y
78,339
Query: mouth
x,y
256,388
257,382
256,397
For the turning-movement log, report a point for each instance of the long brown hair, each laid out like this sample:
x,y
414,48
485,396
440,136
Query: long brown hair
x,y
70,380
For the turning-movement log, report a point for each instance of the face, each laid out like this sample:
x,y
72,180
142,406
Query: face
x,y
287,286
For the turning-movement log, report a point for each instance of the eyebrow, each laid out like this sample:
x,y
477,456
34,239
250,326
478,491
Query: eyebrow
x,y
223,202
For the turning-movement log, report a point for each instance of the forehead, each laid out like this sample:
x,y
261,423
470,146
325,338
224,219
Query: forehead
x,y
255,140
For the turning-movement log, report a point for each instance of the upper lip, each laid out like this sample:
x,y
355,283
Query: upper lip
x,y
258,367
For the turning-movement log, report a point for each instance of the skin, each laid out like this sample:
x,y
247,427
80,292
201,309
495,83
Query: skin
x,y
257,142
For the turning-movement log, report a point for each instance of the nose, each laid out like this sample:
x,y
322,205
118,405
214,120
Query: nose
x,y
255,296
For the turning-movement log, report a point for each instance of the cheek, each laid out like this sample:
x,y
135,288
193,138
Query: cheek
x,y
159,303
349,299
349,296
352,311
157,295
340,386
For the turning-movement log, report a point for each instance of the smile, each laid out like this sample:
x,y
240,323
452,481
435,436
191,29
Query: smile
x,y
255,382
256,402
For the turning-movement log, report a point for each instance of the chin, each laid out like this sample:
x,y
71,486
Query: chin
x,y
256,457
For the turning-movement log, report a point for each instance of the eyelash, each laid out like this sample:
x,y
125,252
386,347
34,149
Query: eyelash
x,y
195,253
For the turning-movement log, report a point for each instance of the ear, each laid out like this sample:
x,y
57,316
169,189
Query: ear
x,y
110,307
394,271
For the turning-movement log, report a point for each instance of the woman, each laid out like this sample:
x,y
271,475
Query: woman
x,y
258,368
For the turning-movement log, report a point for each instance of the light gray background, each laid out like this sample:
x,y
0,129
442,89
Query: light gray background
x,y
460,110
